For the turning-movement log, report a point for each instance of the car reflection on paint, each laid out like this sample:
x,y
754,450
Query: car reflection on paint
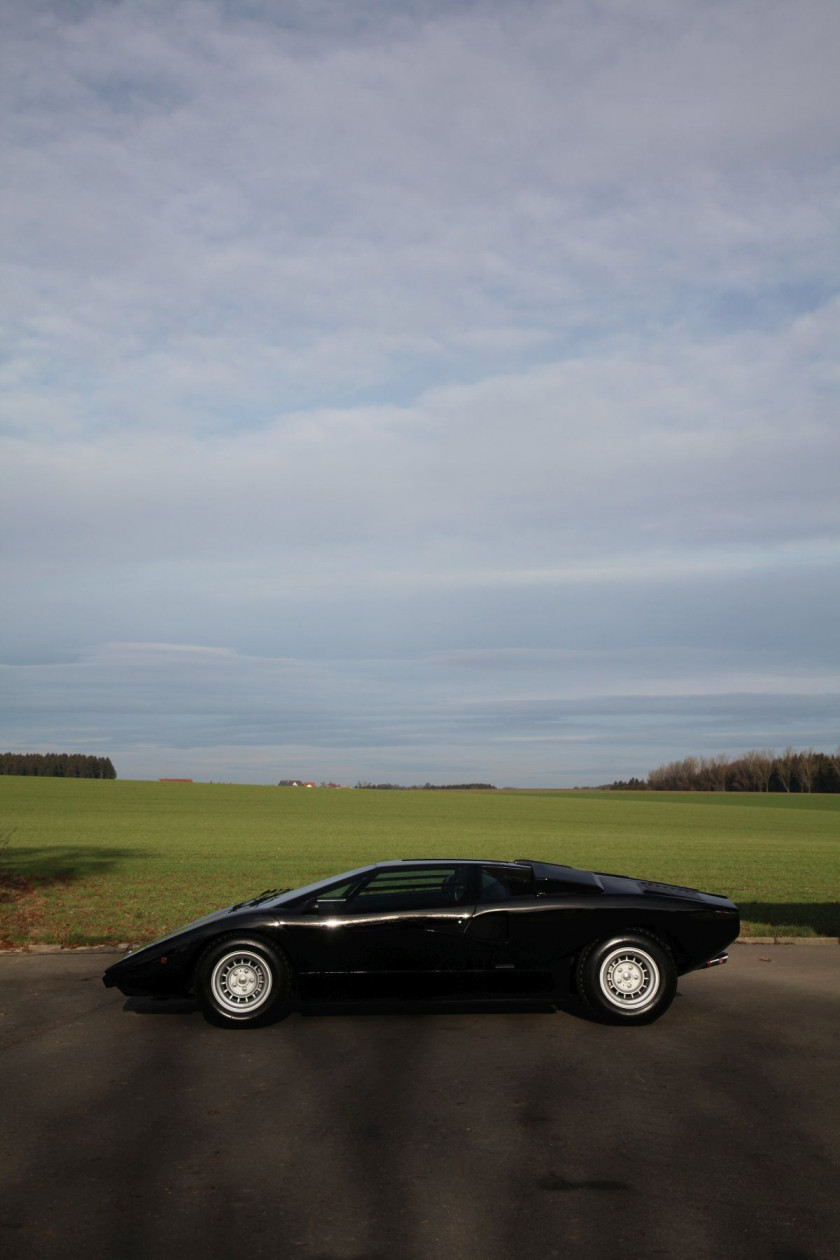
x,y
436,927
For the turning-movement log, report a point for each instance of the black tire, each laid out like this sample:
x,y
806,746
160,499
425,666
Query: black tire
x,y
243,981
627,979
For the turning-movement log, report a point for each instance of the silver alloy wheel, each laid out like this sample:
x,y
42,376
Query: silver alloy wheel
x,y
241,981
629,978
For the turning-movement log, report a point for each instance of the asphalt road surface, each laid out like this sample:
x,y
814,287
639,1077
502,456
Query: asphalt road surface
x,y
133,1129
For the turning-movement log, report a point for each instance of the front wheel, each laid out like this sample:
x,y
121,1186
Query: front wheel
x,y
627,979
242,981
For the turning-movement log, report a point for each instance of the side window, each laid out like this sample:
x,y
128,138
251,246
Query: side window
x,y
423,888
338,891
500,883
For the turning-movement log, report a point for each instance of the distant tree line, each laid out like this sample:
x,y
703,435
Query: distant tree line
x,y
759,770
57,765
429,787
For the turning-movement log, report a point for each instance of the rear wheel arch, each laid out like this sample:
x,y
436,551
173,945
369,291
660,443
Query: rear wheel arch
x,y
628,977
659,933
672,944
661,936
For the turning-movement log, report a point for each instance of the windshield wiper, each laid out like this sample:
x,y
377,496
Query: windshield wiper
x,y
264,896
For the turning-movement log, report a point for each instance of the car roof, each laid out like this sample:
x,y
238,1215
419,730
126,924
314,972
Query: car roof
x,y
451,861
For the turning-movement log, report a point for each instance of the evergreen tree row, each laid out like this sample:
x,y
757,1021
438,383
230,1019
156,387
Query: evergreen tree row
x,y
57,765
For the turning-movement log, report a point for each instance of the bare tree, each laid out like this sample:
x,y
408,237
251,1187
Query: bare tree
x,y
717,769
758,763
658,778
748,773
687,771
754,771
806,769
676,776
785,767
834,758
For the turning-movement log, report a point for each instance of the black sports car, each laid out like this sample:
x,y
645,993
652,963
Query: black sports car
x,y
433,927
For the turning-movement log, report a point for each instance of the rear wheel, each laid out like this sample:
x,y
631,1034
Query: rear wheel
x,y
243,981
627,979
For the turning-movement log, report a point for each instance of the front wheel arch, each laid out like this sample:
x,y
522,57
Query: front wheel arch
x,y
242,979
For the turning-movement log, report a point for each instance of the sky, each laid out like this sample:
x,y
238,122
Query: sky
x,y
419,391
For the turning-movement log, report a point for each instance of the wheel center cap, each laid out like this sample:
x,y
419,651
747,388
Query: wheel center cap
x,y
627,977
242,981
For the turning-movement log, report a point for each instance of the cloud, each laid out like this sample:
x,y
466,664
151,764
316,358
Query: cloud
x,y
223,216
368,331
650,447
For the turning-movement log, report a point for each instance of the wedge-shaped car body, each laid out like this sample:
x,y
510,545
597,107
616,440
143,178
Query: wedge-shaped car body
x,y
427,928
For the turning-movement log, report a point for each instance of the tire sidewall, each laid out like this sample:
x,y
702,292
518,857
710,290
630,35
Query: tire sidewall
x,y
272,958
590,983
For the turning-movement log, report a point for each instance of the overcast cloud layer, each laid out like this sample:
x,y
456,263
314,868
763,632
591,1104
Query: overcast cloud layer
x,y
429,391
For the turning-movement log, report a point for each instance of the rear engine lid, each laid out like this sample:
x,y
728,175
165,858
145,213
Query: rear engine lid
x,y
552,879
629,883
656,889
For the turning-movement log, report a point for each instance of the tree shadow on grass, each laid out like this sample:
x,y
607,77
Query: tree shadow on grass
x,y
22,869
822,918
27,874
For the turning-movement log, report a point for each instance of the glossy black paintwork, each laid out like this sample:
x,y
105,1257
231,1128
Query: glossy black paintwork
x,y
477,943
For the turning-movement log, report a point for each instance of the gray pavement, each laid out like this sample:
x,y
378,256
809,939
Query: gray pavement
x,y
353,1133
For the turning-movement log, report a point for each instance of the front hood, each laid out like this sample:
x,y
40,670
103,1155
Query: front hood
x,y
179,931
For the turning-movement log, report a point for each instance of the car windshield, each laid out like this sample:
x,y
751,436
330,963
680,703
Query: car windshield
x,y
313,890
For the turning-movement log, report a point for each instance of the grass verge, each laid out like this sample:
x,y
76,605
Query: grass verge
x,y
93,862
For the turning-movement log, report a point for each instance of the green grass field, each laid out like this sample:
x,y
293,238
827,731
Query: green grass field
x,y
91,861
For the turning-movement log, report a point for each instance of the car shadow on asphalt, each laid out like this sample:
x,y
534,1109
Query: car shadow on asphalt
x,y
372,1007
161,1006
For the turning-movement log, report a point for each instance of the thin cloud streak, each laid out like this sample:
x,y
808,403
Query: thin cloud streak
x,y
537,718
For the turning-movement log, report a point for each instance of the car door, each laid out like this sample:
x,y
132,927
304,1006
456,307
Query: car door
x,y
401,919
507,930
